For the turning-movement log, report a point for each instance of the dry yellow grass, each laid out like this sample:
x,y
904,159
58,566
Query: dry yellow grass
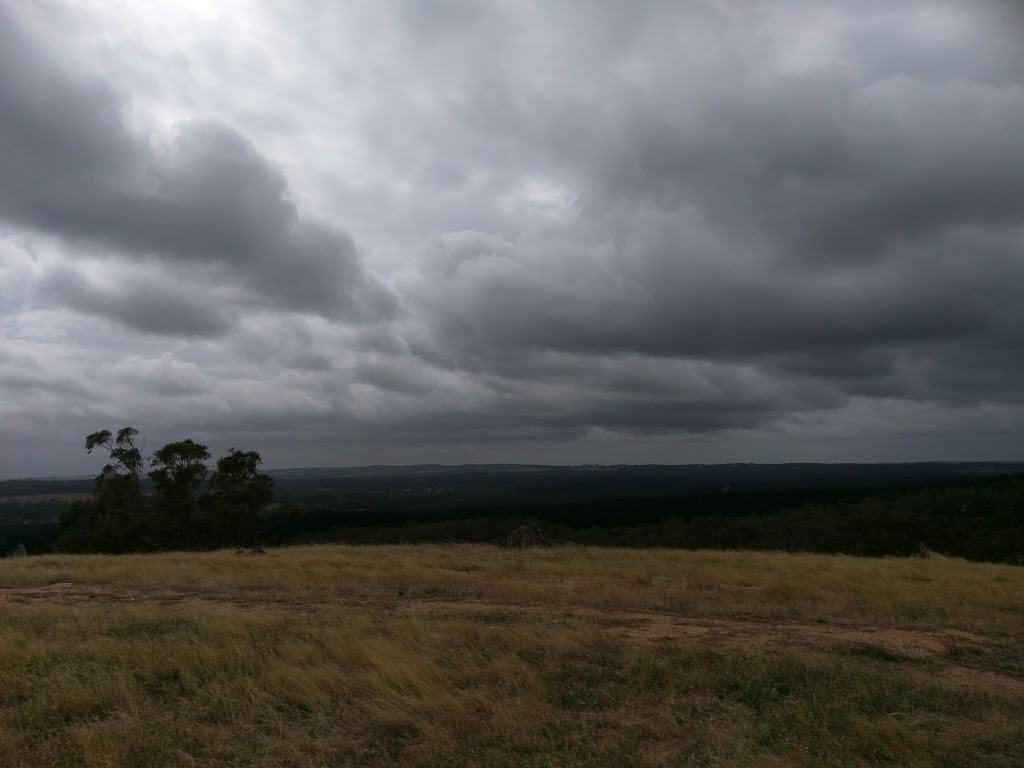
x,y
471,655
890,591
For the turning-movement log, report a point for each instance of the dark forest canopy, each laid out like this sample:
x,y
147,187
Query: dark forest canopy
x,y
973,510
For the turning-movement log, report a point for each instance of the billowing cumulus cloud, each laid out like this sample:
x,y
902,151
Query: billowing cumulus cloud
x,y
203,200
449,231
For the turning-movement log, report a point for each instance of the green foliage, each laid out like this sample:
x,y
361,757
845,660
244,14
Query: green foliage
x,y
188,507
178,473
115,515
238,493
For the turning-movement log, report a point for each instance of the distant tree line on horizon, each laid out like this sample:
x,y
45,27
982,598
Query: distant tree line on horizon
x,y
181,504
185,504
978,519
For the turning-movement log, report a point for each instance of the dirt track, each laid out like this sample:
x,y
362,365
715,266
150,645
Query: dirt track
x,y
926,653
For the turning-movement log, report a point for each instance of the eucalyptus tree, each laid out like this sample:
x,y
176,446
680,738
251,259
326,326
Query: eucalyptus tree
x,y
178,471
238,493
188,506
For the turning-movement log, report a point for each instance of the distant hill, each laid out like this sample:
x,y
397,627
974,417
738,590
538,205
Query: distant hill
x,y
665,477
676,477
390,470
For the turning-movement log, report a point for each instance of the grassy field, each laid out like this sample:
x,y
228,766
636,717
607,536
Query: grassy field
x,y
472,655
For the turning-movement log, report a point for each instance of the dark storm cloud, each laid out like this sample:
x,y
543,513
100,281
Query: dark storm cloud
x,y
148,306
597,226
23,384
854,225
704,305
69,166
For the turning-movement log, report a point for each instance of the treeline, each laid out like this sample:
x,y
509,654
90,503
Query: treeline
x,y
37,538
185,504
181,504
44,488
19,511
978,520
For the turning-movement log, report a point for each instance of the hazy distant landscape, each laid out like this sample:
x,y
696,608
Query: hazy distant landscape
x,y
973,510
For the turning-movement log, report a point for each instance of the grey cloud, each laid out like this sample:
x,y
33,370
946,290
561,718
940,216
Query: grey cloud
x,y
672,303
69,166
855,226
163,376
440,19
992,26
22,383
146,306
402,378
56,135
662,230
825,165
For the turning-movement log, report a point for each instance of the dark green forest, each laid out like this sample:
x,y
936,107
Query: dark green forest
x,y
977,519
967,510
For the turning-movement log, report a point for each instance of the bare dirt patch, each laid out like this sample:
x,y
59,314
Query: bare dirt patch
x,y
68,593
764,637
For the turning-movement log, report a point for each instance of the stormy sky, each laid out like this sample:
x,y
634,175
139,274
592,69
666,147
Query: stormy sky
x,y
513,230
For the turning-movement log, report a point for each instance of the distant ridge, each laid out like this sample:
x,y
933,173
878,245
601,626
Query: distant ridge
x,y
404,469
375,470
387,470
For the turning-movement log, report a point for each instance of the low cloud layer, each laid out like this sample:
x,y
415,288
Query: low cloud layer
x,y
447,231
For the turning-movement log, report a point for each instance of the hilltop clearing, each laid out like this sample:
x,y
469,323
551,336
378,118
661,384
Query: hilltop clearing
x,y
473,655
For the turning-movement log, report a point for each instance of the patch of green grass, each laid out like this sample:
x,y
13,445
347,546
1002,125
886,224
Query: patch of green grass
x,y
874,652
962,653
167,683
999,742
1005,659
804,711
